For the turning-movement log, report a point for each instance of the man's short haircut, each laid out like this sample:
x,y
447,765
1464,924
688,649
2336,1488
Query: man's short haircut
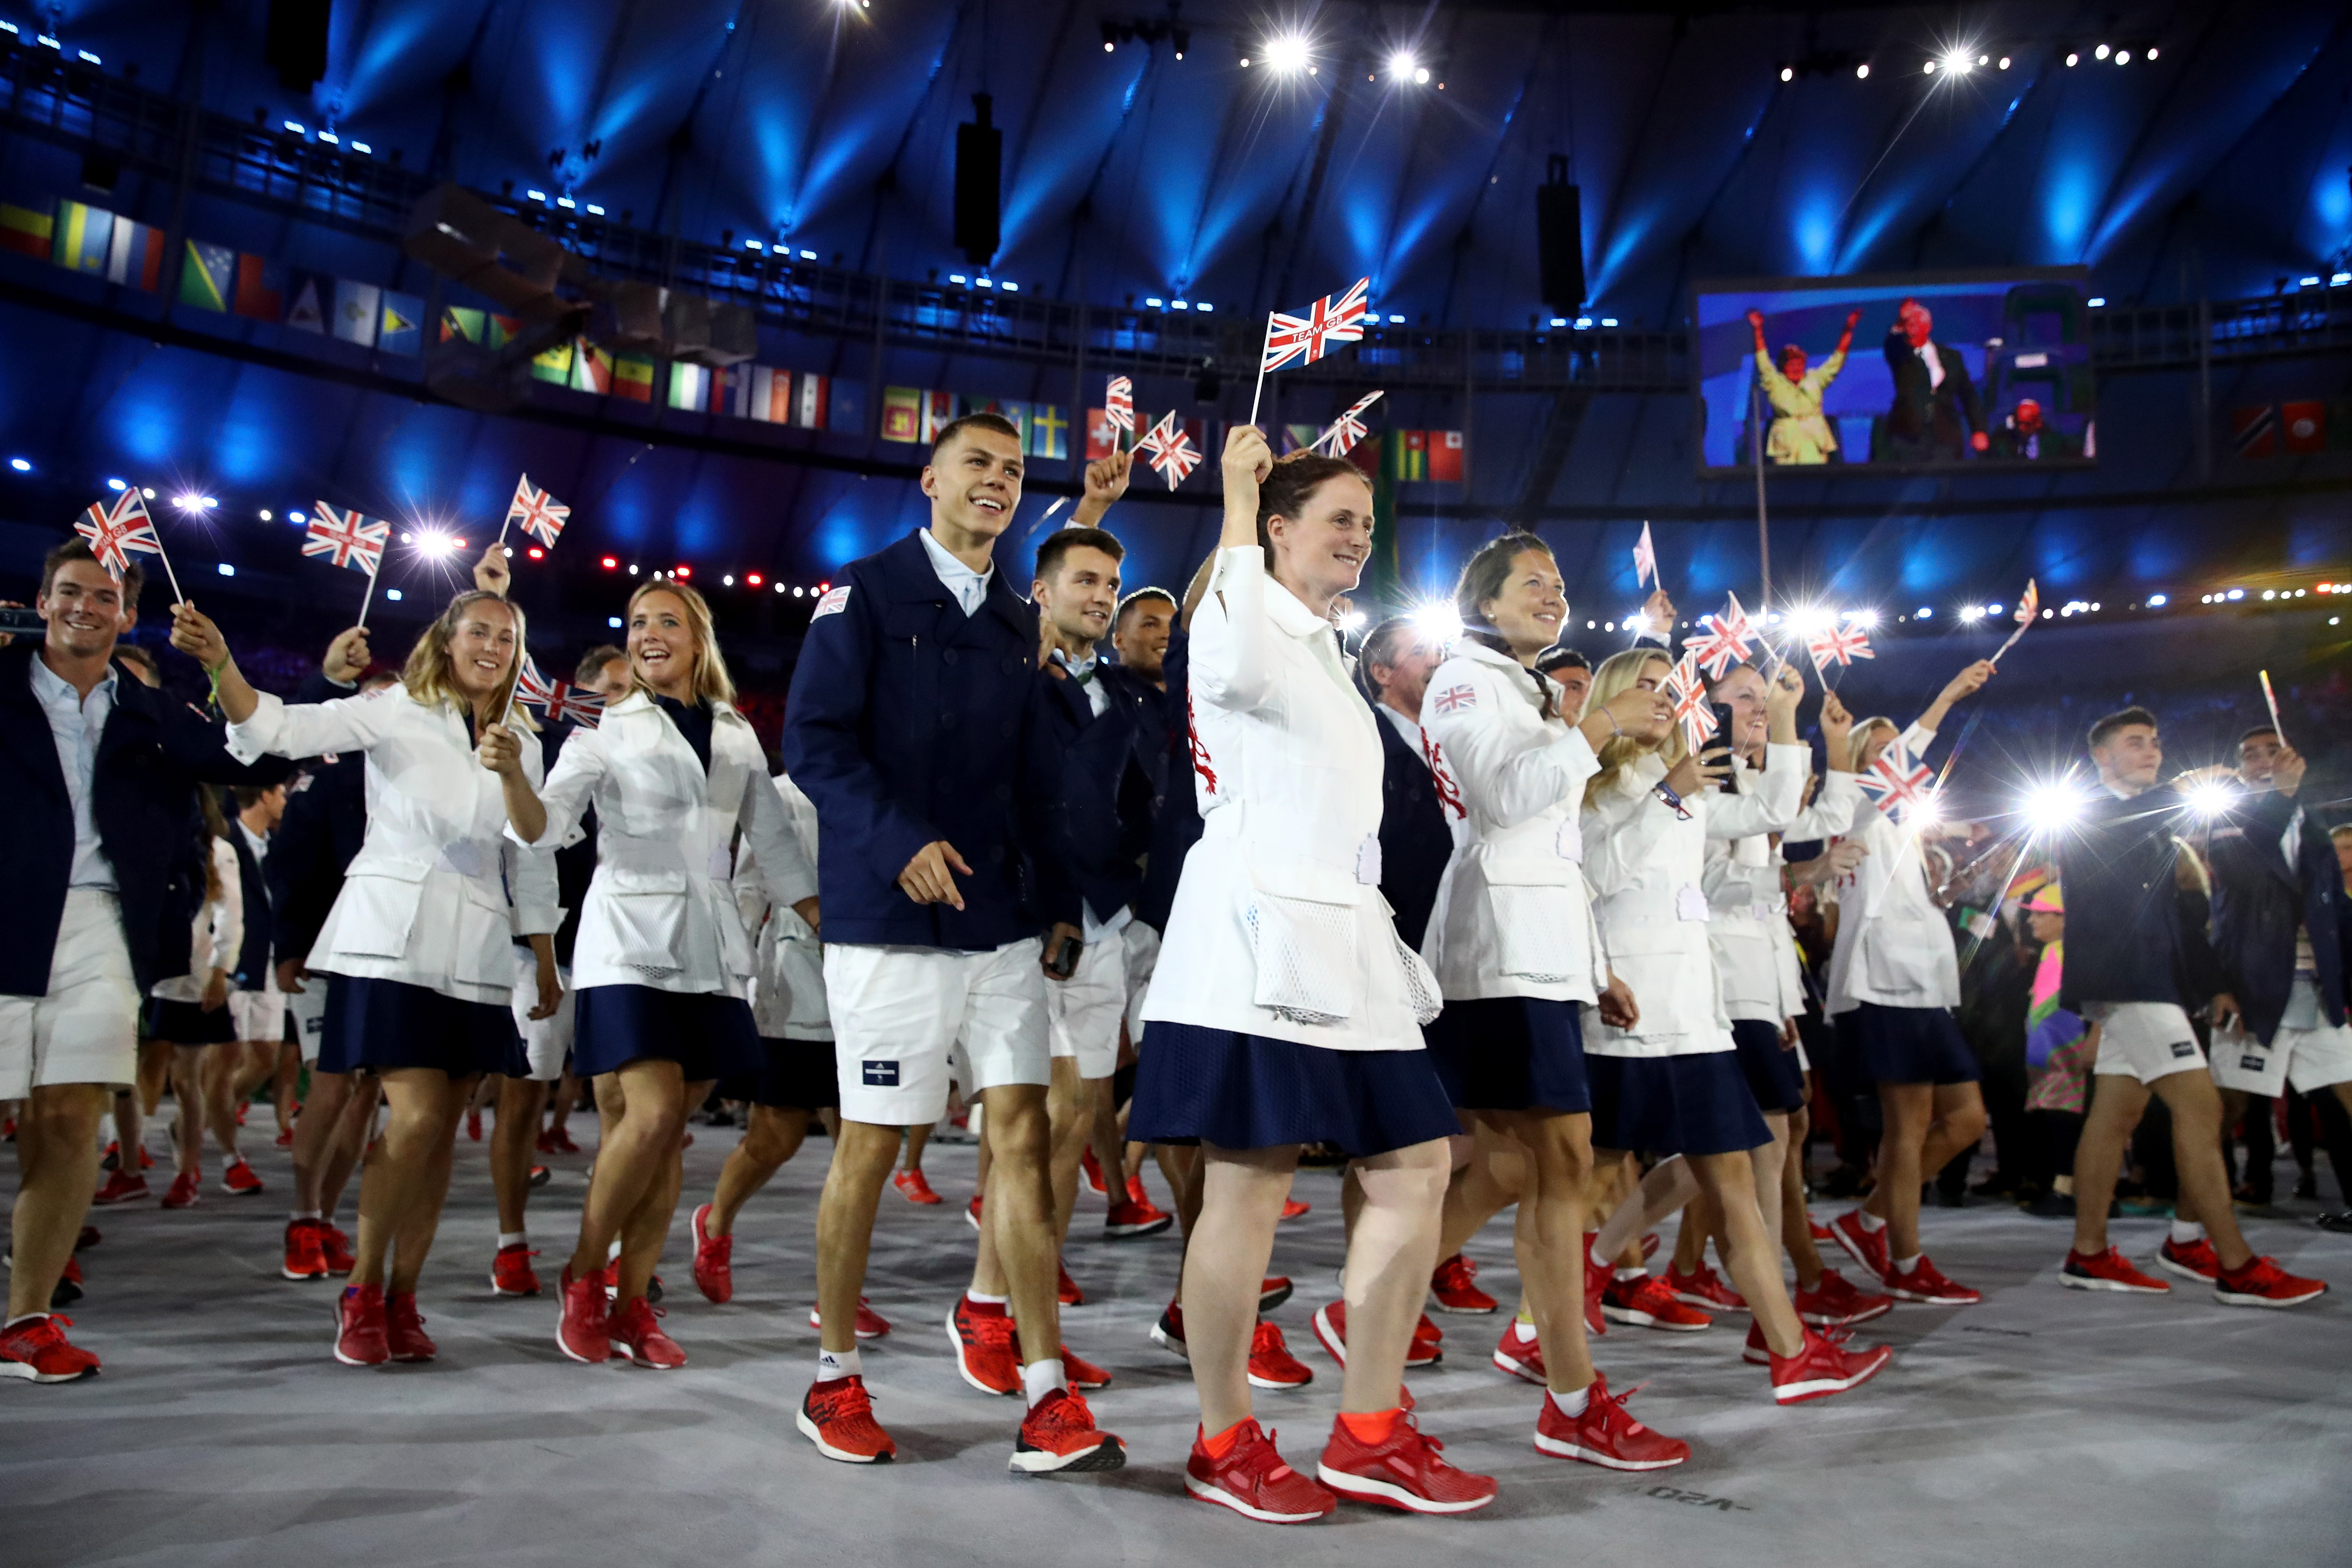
x,y
250,796
144,657
79,550
379,677
2270,729
1059,544
592,662
2121,719
1559,658
2341,833
955,427
1163,594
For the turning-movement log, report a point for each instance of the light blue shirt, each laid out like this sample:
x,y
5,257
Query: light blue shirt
x,y
969,587
75,725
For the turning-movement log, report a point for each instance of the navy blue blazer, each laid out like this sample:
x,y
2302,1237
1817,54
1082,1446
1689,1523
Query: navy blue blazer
x,y
1176,825
1415,840
254,959
2132,933
2259,900
1095,776
905,725
324,825
155,752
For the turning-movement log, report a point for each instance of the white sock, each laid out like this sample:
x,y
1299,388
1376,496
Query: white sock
x,y
832,1365
1632,1273
1904,1265
1040,1378
612,1251
1525,1330
1573,1404
2186,1231
1592,1251
511,1238
1871,1222
29,1317
978,1299
303,1214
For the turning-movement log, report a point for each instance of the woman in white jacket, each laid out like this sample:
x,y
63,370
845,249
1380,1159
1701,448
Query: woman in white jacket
x,y
418,948
1670,1083
1284,1010
662,966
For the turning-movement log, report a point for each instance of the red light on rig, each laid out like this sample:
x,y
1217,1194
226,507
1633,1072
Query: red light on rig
x,y
536,553
823,587
754,579
682,572
612,563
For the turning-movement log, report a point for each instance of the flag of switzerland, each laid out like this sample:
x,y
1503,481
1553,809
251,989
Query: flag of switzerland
x,y
1102,436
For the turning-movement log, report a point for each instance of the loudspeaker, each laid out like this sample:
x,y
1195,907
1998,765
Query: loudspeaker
x,y
296,43
1560,240
979,155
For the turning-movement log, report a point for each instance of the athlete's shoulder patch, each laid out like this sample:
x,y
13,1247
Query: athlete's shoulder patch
x,y
1455,699
836,600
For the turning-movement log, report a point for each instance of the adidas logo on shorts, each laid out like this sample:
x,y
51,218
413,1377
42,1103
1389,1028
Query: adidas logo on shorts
x,y
880,1075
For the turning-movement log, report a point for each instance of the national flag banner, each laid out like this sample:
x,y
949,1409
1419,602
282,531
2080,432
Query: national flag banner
x,y
2254,431
135,255
1349,427
536,512
553,364
459,323
1448,457
689,387
359,310
812,400
345,538
844,405
767,398
559,700
633,378
1017,416
1840,645
1049,433
260,288
1688,694
1102,436
1305,339
115,533
401,329
1169,449
939,413
592,368
1723,639
82,239
1408,454
902,413
308,299
27,231
2304,426
1899,782
1645,559
2028,606
1118,403
207,276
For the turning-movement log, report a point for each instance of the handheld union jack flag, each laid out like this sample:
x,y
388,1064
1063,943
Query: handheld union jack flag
x,y
1840,643
1349,429
1691,706
1171,451
115,533
559,700
2027,609
1333,319
1723,639
538,513
346,538
1645,559
1118,403
1897,780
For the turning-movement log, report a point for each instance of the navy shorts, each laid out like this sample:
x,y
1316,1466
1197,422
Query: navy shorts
x,y
385,1025
1511,1053
795,1075
708,1034
1908,1045
1197,1084
186,1024
1773,1075
1674,1105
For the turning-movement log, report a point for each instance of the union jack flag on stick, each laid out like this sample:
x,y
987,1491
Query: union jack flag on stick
x,y
1899,781
1347,429
1691,706
558,699
1840,645
538,514
116,532
2027,609
1645,560
1333,319
1118,403
1723,639
347,539
1171,450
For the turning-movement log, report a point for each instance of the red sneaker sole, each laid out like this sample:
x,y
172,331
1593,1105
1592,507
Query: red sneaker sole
x,y
1205,1491
815,1434
1560,1450
1382,1494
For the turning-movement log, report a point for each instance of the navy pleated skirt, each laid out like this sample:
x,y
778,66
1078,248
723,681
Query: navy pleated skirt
x,y
1773,1075
795,1075
385,1025
708,1034
1196,1084
186,1024
1511,1053
1697,1104
1908,1045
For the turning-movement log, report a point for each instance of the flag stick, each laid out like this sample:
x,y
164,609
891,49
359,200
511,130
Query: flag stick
x,y
2269,698
171,576
1332,433
367,598
1260,391
2011,643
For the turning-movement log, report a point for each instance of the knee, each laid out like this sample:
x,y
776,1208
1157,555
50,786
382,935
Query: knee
x,y
66,1118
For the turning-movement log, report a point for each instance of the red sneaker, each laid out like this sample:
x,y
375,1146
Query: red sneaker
x,y
1649,1245
1423,1329
562,1142
981,1334
1292,1208
1169,1332
1645,1301
1704,1289
636,1336
1596,1285
838,1417
1273,1291
1605,1435
120,1188
1059,1434
1332,1330
239,1179
544,1143
36,1351
585,1331
1402,1471
1757,1351
1128,1219
1833,1301
1868,1248
1091,1168
1271,1365
1451,1284
1823,1367
1520,1353
1135,1193
2263,1283
360,1327
87,1238
336,1248
714,1274
404,1330
510,1271
146,1161
304,1260
1925,1284
1066,1289
1253,1481
972,1214
286,1138
1084,1375
473,1125
182,1194
871,1324
2197,1260
916,1186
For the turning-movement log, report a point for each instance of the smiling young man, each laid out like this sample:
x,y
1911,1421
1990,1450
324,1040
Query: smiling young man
x,y
906,726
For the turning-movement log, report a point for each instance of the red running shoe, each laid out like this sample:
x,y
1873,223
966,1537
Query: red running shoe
x,y
1823,1367
1169,1332
1605,1435
1866,1246
1596,1285
1059,1434
1332,1331
636,1336
838,1417
1645,1302
585,1331
1451,1284
1520,1353
2263,1283
1271,1365
972,1214
558,1141
1925,1284
1423,1329
981,1334
360,1327
1273,1291
120,1188
1292,1208
714,1273
146,1161
336,1248
182,1194
1704,1289
239,1179
2197,1260
1402,1471
404,1330
916,1187
36,1351
1833,1301
473,1125
286,1138
871,1324
1092,1169
1253,1481
1082,1373
510,1271
1820,1231
1066,1289
1129,1219
304,1260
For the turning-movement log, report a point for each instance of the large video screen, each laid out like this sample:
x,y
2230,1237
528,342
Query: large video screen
x,y
1936,371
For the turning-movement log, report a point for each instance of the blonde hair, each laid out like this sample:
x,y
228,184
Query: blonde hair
x,y
711,681
427,675
1858,741
1617,674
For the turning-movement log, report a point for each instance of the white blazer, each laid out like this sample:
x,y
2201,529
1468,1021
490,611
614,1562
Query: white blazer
x,y
1894,945
1742,881
1278,927
788,964
436,897
218,935
660,911
1514,915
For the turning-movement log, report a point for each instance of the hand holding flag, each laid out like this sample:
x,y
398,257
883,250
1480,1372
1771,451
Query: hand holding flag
x,y
2027,607
1896,781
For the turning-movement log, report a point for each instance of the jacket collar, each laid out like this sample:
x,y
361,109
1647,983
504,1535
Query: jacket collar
x,y
1290,613
908,578
1516,672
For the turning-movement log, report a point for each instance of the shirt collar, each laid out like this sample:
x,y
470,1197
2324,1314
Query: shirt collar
x,y
1081,671
50,686
949,569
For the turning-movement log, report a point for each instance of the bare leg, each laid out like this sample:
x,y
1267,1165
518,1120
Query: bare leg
x,y
57,1158
129,1128
513,1139
289,1075
188,1108
350,1137
400,1172
1109,1144
315,1131
1019,1214
773,1135
223,1069
1926,1125
567,1095
2196,1107
1796,1231
915,1138
1391,1252
863,1154
1754,1265
412,1241
1490,1182
1666,1190
1550,1237
1241,1198
639,1148
1767,1159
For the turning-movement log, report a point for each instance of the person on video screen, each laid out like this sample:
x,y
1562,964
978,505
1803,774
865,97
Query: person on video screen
x,y
2024,435
1936,408
1799,431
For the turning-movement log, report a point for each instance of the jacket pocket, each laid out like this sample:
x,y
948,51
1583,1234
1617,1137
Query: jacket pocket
x,y
1905,957
647,910
1539,919
1302,922
1421,989
376,909
485,948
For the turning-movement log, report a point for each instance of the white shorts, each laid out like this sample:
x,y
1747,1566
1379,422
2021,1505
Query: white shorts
x,y
308,1008
85,1029
546,1041
2308,1059
259,1014
899,1011
1141,944
1083,1011
2147,1040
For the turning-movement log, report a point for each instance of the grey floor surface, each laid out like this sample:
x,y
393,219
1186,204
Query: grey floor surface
x,y
2044,1427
